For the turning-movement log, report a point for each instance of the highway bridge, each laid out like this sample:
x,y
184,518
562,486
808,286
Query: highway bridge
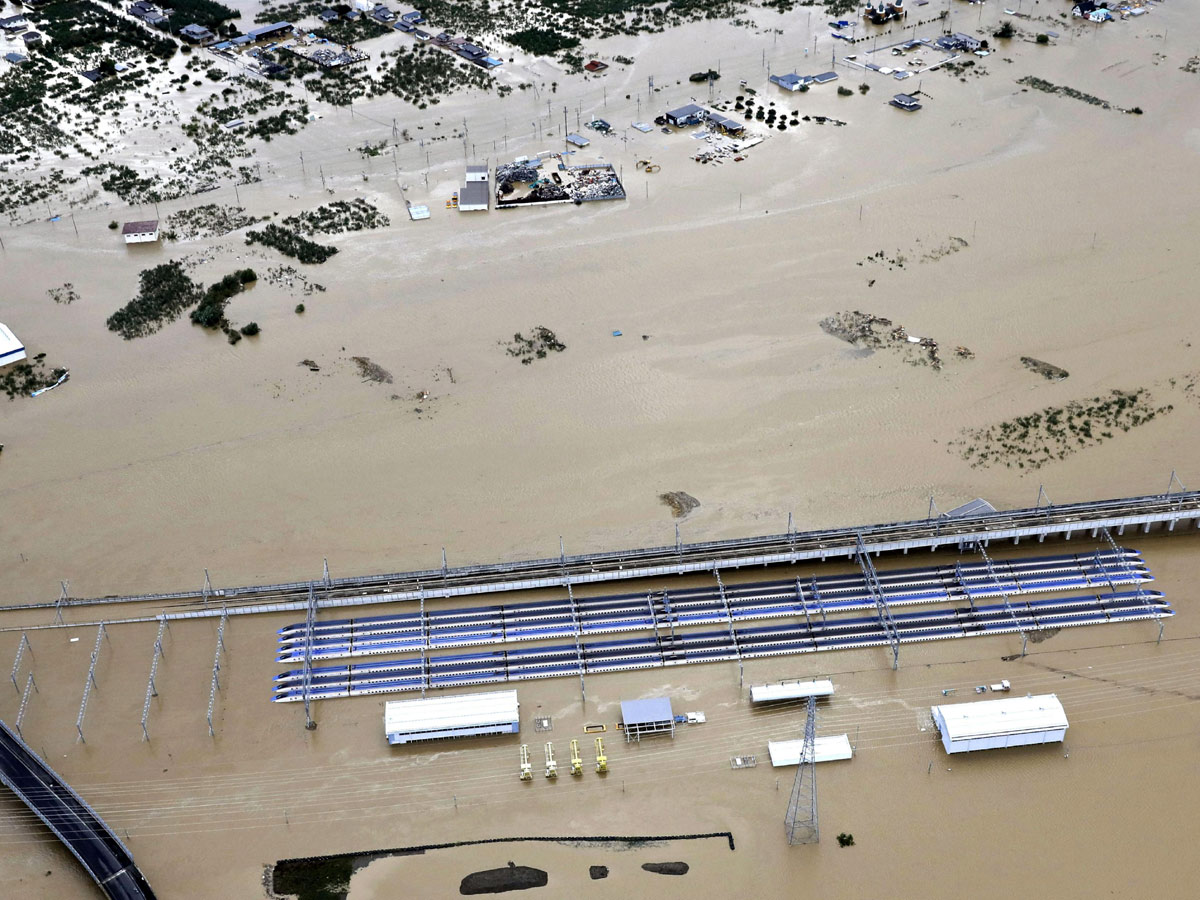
x,y
1091,519
73,822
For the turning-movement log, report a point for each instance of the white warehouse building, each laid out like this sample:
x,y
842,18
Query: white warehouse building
x,y
991,724
436,718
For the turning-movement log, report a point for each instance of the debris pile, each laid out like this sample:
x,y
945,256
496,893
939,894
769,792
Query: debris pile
x,y
540,342
1045,369
875,332
371,371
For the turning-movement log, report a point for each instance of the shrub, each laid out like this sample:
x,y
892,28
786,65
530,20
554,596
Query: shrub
x,y
845,839
844,91
1005,30
113,225
1043,38
234,337
247,275
863,88
299,308
250,329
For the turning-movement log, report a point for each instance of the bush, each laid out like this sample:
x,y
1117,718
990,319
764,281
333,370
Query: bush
x,y
234,337
1043,38
250,329
246,276
165,292
291,244
542,41
844,92
1005,30
863,88
845,839
299,308
113,225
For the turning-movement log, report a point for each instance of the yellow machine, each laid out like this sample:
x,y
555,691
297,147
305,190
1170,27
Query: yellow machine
x,y
551,765
648,166
526,767
576,762
601,759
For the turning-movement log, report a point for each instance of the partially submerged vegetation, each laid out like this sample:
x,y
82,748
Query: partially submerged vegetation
x,y
341,215
1045,369
1056,432
289,243
1040,84
66,294
24,378
209,220
165,293
210,313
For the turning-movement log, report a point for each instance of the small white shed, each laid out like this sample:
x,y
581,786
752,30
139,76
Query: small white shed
x,y
991,724
140,232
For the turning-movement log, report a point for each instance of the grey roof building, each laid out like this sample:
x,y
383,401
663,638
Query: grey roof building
x,y
685,115
644,717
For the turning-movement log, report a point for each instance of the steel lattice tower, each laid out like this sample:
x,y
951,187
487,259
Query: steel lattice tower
x,y
801,821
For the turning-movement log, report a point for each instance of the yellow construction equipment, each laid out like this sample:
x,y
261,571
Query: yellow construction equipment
x,y
551,765
650,167
601,759
576,762
526,767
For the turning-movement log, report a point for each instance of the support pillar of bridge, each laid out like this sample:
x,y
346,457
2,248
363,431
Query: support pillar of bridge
x,y
1120,529
1095,532
1171,525
1016,539
1146,528
1042,538
1067,537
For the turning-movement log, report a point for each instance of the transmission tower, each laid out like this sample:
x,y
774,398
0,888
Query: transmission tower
x,y
801,821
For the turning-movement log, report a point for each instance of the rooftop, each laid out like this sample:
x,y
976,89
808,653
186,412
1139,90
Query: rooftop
x,y
140,227
992,718
638,712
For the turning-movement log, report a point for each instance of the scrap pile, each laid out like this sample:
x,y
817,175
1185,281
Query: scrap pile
x,y
596,183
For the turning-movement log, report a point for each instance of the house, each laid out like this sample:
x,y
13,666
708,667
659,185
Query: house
x,y
354,15
477,173
577,140
421,35
32,39
196,34
401,25
14,24
471,52
328,15
1100,15
824,78
413,18
685,115
140,232
906,102
383,15
15,58
792,82
444,38
596,66
152,15
1084,8
959,41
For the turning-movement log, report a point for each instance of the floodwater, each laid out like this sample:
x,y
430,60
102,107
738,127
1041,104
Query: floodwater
x,y
174,453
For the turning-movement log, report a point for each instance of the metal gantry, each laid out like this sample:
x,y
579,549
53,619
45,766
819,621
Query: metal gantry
x,y
1153,609
800,823
29,683
22,646
884,611
151,686
577,626
310,623
729,616
424,646
216,681
987,560
90,683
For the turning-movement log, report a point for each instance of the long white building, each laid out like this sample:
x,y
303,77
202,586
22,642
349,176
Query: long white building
x,y
465,715
990,724
11,348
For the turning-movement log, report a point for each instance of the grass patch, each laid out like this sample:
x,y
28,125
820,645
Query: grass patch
x,y
289,243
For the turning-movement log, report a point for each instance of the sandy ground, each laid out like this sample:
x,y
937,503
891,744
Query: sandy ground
x,y
177,452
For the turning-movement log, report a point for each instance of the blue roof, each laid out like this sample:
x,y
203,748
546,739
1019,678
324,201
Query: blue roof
x,y
637,712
